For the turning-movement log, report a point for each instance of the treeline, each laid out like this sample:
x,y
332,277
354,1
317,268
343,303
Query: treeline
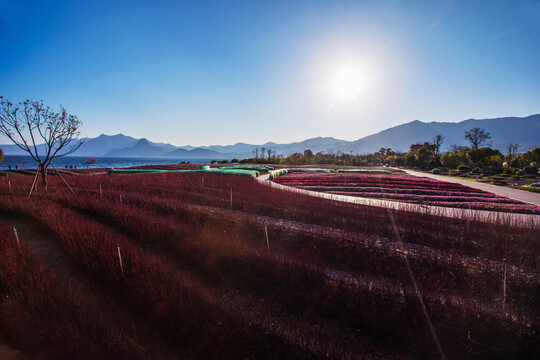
x,y
484,158
322,157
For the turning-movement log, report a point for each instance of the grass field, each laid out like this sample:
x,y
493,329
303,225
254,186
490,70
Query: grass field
x,y
207,266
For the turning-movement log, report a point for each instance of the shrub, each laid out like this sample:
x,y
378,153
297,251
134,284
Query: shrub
x,y
463,168
509,171
436,171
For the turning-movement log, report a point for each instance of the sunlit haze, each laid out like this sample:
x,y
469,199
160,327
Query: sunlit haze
x,y
221,72
349,84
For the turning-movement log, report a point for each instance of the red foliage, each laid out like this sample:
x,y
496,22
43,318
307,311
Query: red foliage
x,y
334,283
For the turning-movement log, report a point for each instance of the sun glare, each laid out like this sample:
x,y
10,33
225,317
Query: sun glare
x,y
349,84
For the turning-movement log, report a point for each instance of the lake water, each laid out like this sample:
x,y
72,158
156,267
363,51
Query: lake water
x,y
26,162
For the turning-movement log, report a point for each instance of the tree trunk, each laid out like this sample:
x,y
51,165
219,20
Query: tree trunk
x,y
43,176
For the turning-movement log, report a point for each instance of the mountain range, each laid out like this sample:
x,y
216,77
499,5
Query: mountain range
x,y
522,130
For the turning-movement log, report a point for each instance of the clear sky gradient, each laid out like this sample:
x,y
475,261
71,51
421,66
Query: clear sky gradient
x,y
220,72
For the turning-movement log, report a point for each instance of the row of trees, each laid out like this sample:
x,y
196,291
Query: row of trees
x,y
477,155
263,154
483,158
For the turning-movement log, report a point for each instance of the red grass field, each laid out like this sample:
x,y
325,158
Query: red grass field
x,y
199,279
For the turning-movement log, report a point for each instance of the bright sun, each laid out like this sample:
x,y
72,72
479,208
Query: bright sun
x,y
348,84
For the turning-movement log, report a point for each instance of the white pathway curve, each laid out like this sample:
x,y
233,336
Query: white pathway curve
x,y
528,220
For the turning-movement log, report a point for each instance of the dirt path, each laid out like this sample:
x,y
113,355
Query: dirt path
x,y
465,214
45,246
7,352
520,195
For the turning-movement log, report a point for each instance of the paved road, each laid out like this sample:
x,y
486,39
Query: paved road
x,y
521,195
465,214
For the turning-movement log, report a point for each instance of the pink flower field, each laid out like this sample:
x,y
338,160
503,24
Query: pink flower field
x,y
405,188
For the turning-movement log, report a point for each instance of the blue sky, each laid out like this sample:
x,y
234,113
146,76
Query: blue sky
x,y
220,72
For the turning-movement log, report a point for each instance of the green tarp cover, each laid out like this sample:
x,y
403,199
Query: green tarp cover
x,y
251,173
258,168
277,173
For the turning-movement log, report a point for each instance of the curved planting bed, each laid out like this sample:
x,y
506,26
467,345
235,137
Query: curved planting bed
x,y
405,188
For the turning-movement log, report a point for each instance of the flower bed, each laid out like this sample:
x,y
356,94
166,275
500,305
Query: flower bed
x,y
407,189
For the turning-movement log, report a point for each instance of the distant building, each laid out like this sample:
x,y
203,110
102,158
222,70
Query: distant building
x,y
428,146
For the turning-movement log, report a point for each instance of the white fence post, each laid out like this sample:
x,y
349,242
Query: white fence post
x,y
120,259
17,237
266,236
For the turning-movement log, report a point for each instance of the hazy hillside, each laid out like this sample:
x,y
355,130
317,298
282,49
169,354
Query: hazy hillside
x,y
524,131
193,153
104,143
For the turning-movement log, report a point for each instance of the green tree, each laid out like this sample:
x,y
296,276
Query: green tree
x,y
533,155
482,157
395,160
410,159
452,159
423,157
39,131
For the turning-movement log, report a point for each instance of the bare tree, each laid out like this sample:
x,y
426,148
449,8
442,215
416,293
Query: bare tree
x,y
41,132
477,137
437,141
512,150
269,152
263,149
